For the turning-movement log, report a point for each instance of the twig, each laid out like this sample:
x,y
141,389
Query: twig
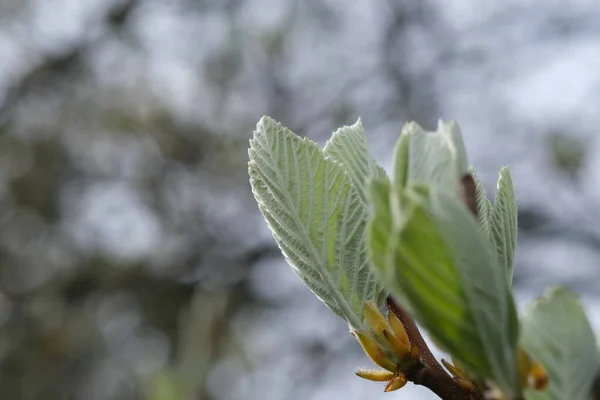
x,y
428,372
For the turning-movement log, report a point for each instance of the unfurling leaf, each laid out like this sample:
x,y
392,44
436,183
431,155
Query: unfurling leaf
x,y
314,206
435,158
431,253
503,222
484,206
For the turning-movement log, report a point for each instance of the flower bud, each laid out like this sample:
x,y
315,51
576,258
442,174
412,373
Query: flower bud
x,y
374,351
375,375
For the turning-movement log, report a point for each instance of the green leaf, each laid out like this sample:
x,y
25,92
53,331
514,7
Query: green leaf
x,y
348,146
434,257
557,333
316,216
380,230
402,155
436,158
503,222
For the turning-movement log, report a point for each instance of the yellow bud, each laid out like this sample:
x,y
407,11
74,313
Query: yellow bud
x,y
451,368
462,371
524,363
398,328
538,377
399,349
493,392
374,351
396,383
374,317
375,375
414,352
466,384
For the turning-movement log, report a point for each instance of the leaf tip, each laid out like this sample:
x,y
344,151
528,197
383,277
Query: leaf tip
x,y
374,351
399,348
396,383
374,375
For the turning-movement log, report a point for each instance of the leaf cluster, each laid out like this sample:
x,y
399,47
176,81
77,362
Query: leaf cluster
x,y
430,240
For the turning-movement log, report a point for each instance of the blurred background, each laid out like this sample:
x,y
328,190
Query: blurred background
x,y
134,263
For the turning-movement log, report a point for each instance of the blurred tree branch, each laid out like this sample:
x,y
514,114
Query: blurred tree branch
x,y
54,67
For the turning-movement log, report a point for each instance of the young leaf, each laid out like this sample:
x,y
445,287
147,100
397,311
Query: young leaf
x,y
402,155
380,230
484,207
503,222
441,264
557,333
436,158
316,216
348,146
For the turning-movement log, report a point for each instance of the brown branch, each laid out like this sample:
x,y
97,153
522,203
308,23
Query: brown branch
x,y
428,372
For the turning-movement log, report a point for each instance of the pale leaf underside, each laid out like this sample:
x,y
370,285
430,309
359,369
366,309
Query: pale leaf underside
x,y
316,215
348,146
484,206
503,223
